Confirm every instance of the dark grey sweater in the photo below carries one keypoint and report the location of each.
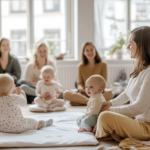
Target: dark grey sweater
(13, 68)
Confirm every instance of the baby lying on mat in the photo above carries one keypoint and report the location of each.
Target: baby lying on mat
(47, 86)
(11, 118)
(95, 86)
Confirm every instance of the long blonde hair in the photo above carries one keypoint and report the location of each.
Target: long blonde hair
(141, 36)
(38, 45)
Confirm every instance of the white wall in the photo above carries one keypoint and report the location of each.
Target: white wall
(85, 23)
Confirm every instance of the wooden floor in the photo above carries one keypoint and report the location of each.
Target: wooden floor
(26, 112)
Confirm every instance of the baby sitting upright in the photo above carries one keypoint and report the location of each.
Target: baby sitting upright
(95, 86)
(47, 86)
(11, 118)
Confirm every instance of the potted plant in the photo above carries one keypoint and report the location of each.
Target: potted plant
(117, 47)
(120, 42)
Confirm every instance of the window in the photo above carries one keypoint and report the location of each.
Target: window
(125, 14)
(17, 6)
(51, 5)
(140, 13)
(25, 22)
(14, 27)
(53, 36)
(18, 42)
(53, 25)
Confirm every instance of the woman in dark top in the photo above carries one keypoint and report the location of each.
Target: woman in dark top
(8, 63)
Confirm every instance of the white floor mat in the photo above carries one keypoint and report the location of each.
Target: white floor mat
(41, 109)
(63, 132)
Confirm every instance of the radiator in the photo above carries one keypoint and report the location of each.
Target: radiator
(67, 75)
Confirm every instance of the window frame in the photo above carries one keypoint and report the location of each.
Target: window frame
(19, 32)
(13, 11)
(30, 27)
(50, 10)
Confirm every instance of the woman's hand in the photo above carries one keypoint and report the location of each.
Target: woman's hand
(81, 90)
(106, 106)
(46, 96)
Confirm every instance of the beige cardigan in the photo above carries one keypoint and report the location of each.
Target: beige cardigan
(32, 73)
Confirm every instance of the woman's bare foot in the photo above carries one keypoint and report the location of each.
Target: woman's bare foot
(33, 102)
(77, 104)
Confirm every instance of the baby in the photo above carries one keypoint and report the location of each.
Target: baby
(95, 86)
(11, 118)
(48, 86)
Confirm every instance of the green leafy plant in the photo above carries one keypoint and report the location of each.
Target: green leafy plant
(52, 48)
(121, 40)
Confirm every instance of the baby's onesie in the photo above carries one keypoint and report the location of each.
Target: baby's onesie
(41, 89)
(11, 118)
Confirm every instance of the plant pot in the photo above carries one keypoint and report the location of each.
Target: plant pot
(119, 54)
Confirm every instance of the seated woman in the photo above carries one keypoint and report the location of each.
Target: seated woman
(33, 69)
(91, 64)
(118, 121)
(8, 63)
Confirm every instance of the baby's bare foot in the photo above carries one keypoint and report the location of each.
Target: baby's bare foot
(81, 130)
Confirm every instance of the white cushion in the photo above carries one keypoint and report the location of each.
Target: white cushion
(41, 109)
(63, 132)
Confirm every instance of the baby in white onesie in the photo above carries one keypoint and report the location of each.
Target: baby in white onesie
(11, 118)
(48, 86)
(95, 86)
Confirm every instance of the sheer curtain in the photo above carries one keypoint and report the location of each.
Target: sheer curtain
(99, 14)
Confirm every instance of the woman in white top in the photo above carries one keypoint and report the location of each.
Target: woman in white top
(33, 69)
(118, 121)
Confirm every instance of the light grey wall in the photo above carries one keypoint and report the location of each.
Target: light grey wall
(85, 23)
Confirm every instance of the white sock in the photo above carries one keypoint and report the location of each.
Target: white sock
(43, 123)
(49, 122)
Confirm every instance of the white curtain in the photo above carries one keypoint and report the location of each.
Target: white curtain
(99, 15)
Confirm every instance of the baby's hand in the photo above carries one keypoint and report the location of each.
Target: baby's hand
(46, 96)
(47, 107)
(18, 90)
(13, 90)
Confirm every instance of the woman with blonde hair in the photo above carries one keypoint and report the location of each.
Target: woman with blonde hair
(120, 121)
(8, 63)
(32, 71)
(91, 64)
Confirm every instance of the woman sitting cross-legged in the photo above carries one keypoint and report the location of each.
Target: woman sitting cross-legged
(33, 69)
(91, 64)
(118, 121)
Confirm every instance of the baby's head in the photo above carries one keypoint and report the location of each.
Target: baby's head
(47, 74)
(95, 84)
(6, 84)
